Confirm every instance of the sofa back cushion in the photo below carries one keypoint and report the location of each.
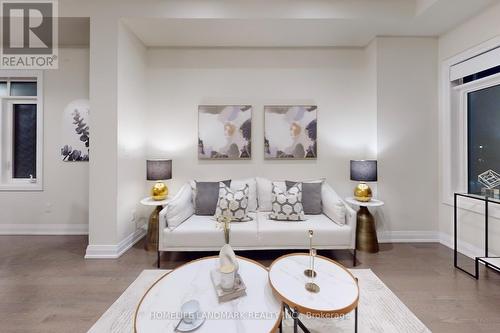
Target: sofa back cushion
(311, 196)
(265, 193)
(333, 206)
(237, 184)
(287, 206)
(206, 196)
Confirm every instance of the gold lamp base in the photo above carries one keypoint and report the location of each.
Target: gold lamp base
(159, 191)
(363, 192)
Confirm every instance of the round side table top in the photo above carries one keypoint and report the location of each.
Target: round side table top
(338, 294)
(371, 203)
(148, 201)
(257, 312)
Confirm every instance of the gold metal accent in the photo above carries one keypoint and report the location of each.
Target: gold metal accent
(310, 273)
(366, 234)
(152, 236)
(159, 191)
(312, 287)
(363, 192)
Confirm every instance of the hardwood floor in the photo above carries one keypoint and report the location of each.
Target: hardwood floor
(47, 286)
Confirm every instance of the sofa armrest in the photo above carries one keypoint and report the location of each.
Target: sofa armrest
(178, 209)
(351, 220)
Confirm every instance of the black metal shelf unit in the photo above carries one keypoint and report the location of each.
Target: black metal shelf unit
(484, 259)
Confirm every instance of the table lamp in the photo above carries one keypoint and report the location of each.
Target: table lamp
(159, 170)
(363, 171)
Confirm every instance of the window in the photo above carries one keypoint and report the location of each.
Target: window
(21, 131)
(483, 139)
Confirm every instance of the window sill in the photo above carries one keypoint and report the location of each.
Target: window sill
(21, 187)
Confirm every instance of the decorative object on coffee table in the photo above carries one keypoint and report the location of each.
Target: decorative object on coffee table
(311, 286)
(366, 232)
(151, 243)
(159, 170)
(310, 271)
(338, 296)
(192, 281)
(363, 171)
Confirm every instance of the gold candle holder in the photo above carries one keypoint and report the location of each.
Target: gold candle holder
(311, 286)
(310, 272)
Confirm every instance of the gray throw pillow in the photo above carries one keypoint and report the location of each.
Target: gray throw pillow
(311, 197)
(207, 194)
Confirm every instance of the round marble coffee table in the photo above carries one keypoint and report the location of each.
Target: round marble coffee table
(258, 311)
(338, 288)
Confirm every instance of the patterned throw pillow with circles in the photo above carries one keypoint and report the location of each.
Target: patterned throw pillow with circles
(287, 206)
(233, 204)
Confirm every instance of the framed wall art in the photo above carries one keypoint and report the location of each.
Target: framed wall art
(290, 132)
(224, 132)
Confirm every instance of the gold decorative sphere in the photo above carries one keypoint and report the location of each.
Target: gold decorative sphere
(159, 191)
(363, 192)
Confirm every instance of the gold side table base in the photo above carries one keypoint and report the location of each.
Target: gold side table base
(366, 234)
(152, 236)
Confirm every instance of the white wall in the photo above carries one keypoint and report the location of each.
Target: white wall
(132, 133)
(334, 79)
(407, 127)
(62, 206)
(476, 31)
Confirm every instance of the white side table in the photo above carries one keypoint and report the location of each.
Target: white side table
(257, 312)
(366, 233)
(153, 224)
(338, 292)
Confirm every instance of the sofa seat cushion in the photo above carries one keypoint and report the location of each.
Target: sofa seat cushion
(200, 232)
(290, 234)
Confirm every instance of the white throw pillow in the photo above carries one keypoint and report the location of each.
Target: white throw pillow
(237, 184)
(233, 204)
(333, 206)
(287, 206)
(180, 207)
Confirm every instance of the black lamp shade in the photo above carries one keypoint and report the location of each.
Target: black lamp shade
(364, 170)
(159, 169)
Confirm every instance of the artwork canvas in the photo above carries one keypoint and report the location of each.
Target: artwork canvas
(75, 131)
(224, 132)
(290, 132)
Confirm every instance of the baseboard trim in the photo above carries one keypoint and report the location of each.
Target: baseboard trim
(465, 248)
(44, 229)
(114, 251)
(409, 237)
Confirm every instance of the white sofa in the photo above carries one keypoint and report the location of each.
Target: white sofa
(200, 233)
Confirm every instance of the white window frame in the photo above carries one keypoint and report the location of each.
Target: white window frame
(7, 182)
(463, 146)
(453, 127)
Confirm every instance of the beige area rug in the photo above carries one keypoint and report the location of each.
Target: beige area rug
(379, 310)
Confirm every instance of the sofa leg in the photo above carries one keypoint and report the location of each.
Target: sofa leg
(354, 257)
(158, 259)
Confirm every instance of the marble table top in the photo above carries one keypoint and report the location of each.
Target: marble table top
(149, 201)
(371, 203)
(339, 292)
(258, 311)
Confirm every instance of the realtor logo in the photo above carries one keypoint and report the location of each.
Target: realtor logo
(29, 34)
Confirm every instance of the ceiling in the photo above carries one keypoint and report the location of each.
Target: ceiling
(300, 23)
